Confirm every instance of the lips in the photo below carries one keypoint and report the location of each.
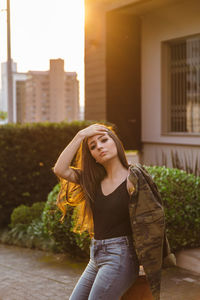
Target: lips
(102, 153)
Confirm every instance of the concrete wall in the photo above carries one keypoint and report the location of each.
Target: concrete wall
(161, 21)
(173, 21)
(165, 154)
(95, 54)
(95, 63)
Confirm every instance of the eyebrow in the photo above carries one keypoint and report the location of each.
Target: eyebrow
(97, 138)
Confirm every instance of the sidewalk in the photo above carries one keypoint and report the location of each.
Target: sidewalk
(27, 274)
(189, 259)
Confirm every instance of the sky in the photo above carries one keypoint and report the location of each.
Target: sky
(42, 30)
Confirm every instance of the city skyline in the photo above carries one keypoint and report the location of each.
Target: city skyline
(40, 96)
(44, 30)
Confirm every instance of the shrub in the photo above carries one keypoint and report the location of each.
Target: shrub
(31, 236)
(181, 199)
(26, 162)
(21, 215)
(65, 239)
(180, 193)
(37, 209)
(27, 229)
(25, 215)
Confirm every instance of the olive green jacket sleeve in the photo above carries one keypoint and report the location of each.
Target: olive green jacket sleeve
(148, 227)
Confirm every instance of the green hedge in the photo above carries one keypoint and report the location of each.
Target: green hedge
(27, 154)
(65, 239)
(181, 199)
(25, 215)
(27, 229)
(39, 227)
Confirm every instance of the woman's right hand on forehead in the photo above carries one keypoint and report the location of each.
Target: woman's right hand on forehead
(92, 130)
(62, 167)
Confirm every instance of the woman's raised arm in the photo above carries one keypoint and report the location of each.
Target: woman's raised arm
(62, 166)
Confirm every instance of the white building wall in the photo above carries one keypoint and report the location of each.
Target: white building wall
(161, 20)
(173, 21)
(4, 91)
(169, 155)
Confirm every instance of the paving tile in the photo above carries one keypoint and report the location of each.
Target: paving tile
(27, 274)
(24, 277)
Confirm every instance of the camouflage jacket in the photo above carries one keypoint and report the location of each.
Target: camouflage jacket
(148, 226)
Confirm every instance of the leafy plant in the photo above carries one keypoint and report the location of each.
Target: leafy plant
(25, 215)
(26, 162)
(180, 193)
(21, 215)
(65, 239)
(181, 198)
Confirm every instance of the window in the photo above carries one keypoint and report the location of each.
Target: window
(181, 85)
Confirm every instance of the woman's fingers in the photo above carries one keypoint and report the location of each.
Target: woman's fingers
(93, 130)
(99, 129)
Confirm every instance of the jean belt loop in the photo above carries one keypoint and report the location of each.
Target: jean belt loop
(127, 241)
(101, 245)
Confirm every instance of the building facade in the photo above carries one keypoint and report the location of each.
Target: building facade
(41, 96)
(52, 95)
(142, 73)
(19, 80)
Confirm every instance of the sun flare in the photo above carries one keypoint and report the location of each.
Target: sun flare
(41, 30)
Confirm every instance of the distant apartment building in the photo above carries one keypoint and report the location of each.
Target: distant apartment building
(19, 80)
(52, 95)
(41, 96)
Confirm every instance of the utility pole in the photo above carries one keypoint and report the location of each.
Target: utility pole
(9, 69)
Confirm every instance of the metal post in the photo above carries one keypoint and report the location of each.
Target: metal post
(9, 68)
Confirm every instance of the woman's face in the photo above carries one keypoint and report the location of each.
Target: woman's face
(102, 147)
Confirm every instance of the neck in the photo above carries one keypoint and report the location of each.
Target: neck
(115, 169)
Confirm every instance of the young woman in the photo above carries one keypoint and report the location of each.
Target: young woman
(102, 184)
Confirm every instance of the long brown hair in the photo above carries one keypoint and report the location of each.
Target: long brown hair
(89, 175)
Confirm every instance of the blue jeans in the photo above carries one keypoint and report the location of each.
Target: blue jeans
(112, 269)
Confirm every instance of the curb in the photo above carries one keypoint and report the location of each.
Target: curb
(189, 260)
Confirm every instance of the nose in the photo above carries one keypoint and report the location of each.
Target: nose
(99, 145)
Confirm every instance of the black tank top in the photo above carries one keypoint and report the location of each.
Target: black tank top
(111, 214)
